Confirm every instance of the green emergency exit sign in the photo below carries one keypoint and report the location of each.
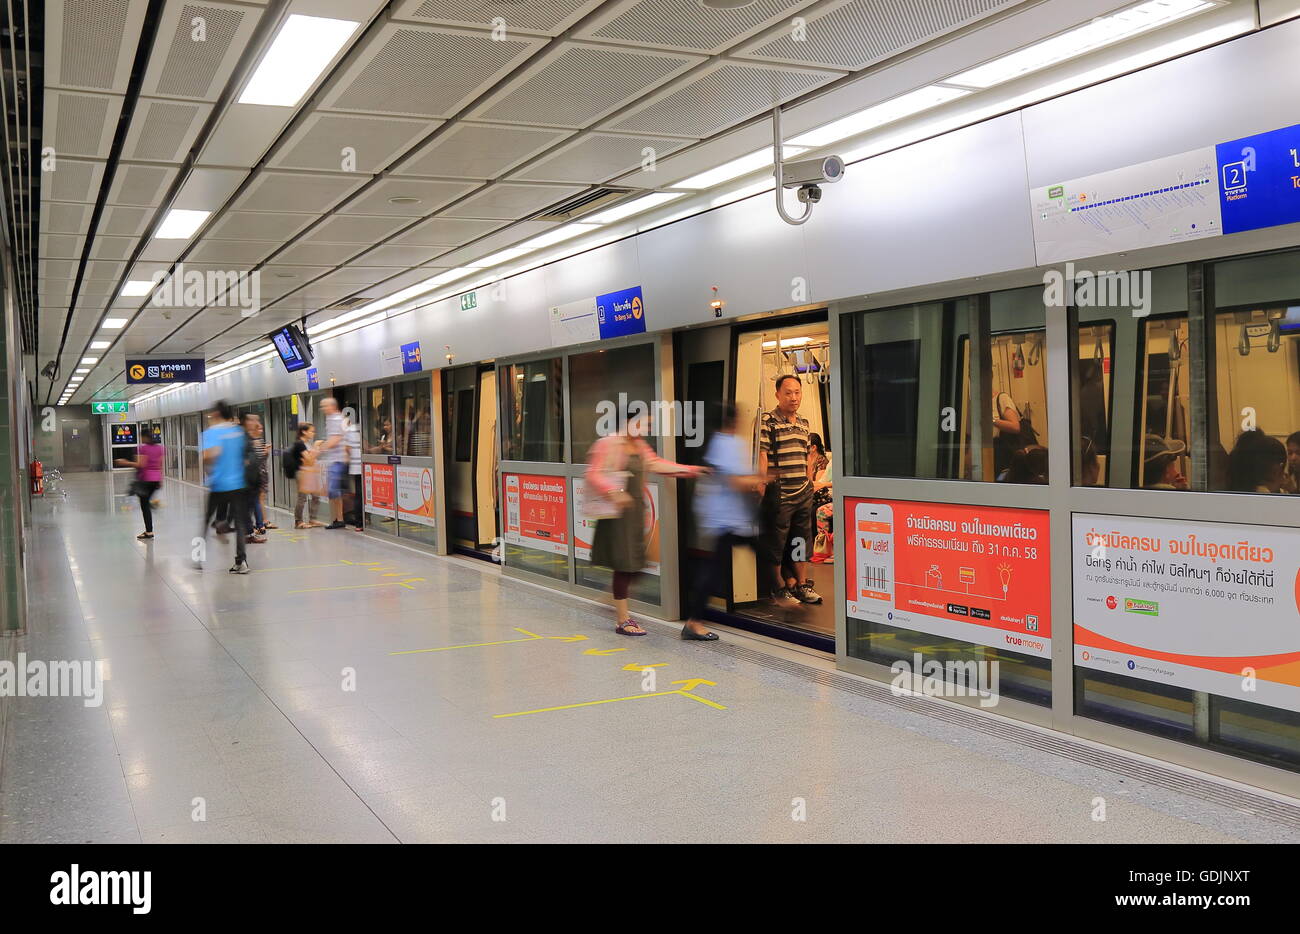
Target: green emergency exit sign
(469, 300)
(110, 408)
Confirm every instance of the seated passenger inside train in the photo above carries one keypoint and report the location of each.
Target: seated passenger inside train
(1257, 464)
(1160, 470)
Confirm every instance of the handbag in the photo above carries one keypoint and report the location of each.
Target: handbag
(596, 506)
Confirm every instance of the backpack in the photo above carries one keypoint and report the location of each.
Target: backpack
(289, 461)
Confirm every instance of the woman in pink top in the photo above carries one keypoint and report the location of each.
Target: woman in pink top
(148, 476)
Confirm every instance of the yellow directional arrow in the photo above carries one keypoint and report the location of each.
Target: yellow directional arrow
(693, 683)
(602, 651)
(568, 638)
(608, 700)
(528, 637)
(635, 667)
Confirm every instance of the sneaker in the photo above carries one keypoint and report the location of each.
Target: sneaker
(784, 599)
(271, 525)
(145, 536)
(255, 539)
(241, 567)
(336, 524)
(805, 594)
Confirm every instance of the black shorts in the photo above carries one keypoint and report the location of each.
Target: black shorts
(785, 519)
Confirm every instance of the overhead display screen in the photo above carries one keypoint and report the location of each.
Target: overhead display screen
(291, 345)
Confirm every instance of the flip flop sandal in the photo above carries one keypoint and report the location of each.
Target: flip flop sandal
(626, 629)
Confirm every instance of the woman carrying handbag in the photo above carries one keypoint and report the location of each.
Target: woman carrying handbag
(615, 481)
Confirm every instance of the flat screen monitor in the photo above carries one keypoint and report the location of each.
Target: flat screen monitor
(124, 435)
(291, 345)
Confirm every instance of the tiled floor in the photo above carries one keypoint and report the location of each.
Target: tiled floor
(231, 699)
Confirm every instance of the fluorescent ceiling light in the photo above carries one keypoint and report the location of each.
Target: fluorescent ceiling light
(112, 324)
(89, 361)
(1103, 31)
(559, 235)
(84, 370)
(503, 256)
(736, 168)
(180, 224)
(298, 55)
(619, 212)
(100, 345)
(137, 287)
(895, 108)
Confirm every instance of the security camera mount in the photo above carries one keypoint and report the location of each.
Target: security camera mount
(806, 176)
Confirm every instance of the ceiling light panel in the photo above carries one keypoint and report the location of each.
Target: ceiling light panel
(425, 71)
(299, 53)
(863, 32)
(687, 24)
(549, 17)
(346, 142)
(574, 85)
(181, 224)
(595, 158)
(476, 150)
(718, 98)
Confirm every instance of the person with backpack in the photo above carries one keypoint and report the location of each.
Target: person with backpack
(255, 475)
(224, 445)
(300, 465)
(148, 477)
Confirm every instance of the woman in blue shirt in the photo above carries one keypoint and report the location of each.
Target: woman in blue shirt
(726, 502)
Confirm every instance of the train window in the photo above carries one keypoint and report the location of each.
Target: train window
(1017, 361)
(1255, 440)
(909, 405)
(532, 420)
(1163, 460)
(1092, 412)
(378, 427)
(411, 401)
(601, 384)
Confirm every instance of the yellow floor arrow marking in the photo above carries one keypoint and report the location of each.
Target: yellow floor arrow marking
(610, 700)
(531, 637)
(300, 567)
(602, 651)
(636, 667)
(693, 683)
(569, 638)
(353, 587)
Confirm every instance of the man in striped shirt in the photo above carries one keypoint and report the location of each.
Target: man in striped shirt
(785, 458)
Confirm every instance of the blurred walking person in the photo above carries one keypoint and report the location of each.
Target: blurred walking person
(334, 455)
(148, 477)
(353, 437)
(256, 475)
(224, 444)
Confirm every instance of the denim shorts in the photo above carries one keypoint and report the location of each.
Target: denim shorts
(338, 479)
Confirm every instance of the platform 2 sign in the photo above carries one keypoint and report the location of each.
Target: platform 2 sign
(1259, 180)
(165, 370)
(537, 512)
(980, 574)
(1204, 606)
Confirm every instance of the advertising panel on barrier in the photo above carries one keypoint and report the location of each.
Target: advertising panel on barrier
(537, 512)
(378, 484)
(584, 528)
(1206, 606)
(415, 494)
(980, 574)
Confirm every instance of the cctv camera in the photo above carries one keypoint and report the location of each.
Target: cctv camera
(811, 172)
(49, 369)
(809, 194)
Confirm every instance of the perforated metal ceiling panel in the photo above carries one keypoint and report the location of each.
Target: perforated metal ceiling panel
(63, 218)
(162, 131)
(356, 228)
(471, 150)
(574, 85)
(246, 253)
(319, 254)
(857, 33)
(295, 192)
(600, 156)
(124, 221)
(400, 255)
(197, 48)
(246, 225)
(447, 232)
(333, 142)
(721, 97)
(112, 247)
(79, 124)
(511, 201)
(686, 24)
(550, 17)
(140, 184)
(73, 180)
(425, 71)
(90, 44)
(430, 195)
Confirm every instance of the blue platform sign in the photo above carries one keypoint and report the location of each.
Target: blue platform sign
(1259, 180)
(411, 362)
(165, 370)
(620, 313)
(313, 378)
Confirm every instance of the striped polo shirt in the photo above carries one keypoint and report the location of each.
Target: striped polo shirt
(786, 444)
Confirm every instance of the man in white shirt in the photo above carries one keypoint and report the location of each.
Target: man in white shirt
(334, 456)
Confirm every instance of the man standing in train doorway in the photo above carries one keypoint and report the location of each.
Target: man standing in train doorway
(788, 497)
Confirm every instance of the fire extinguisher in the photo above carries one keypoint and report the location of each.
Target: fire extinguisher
(38, 479)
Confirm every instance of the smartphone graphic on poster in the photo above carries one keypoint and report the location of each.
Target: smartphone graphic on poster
(873, 530)
(512, 504)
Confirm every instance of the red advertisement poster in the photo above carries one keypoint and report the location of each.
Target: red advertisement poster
(980, 574)
(536, 513)
(378, 483)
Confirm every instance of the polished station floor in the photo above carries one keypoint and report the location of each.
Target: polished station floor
(352, 690)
